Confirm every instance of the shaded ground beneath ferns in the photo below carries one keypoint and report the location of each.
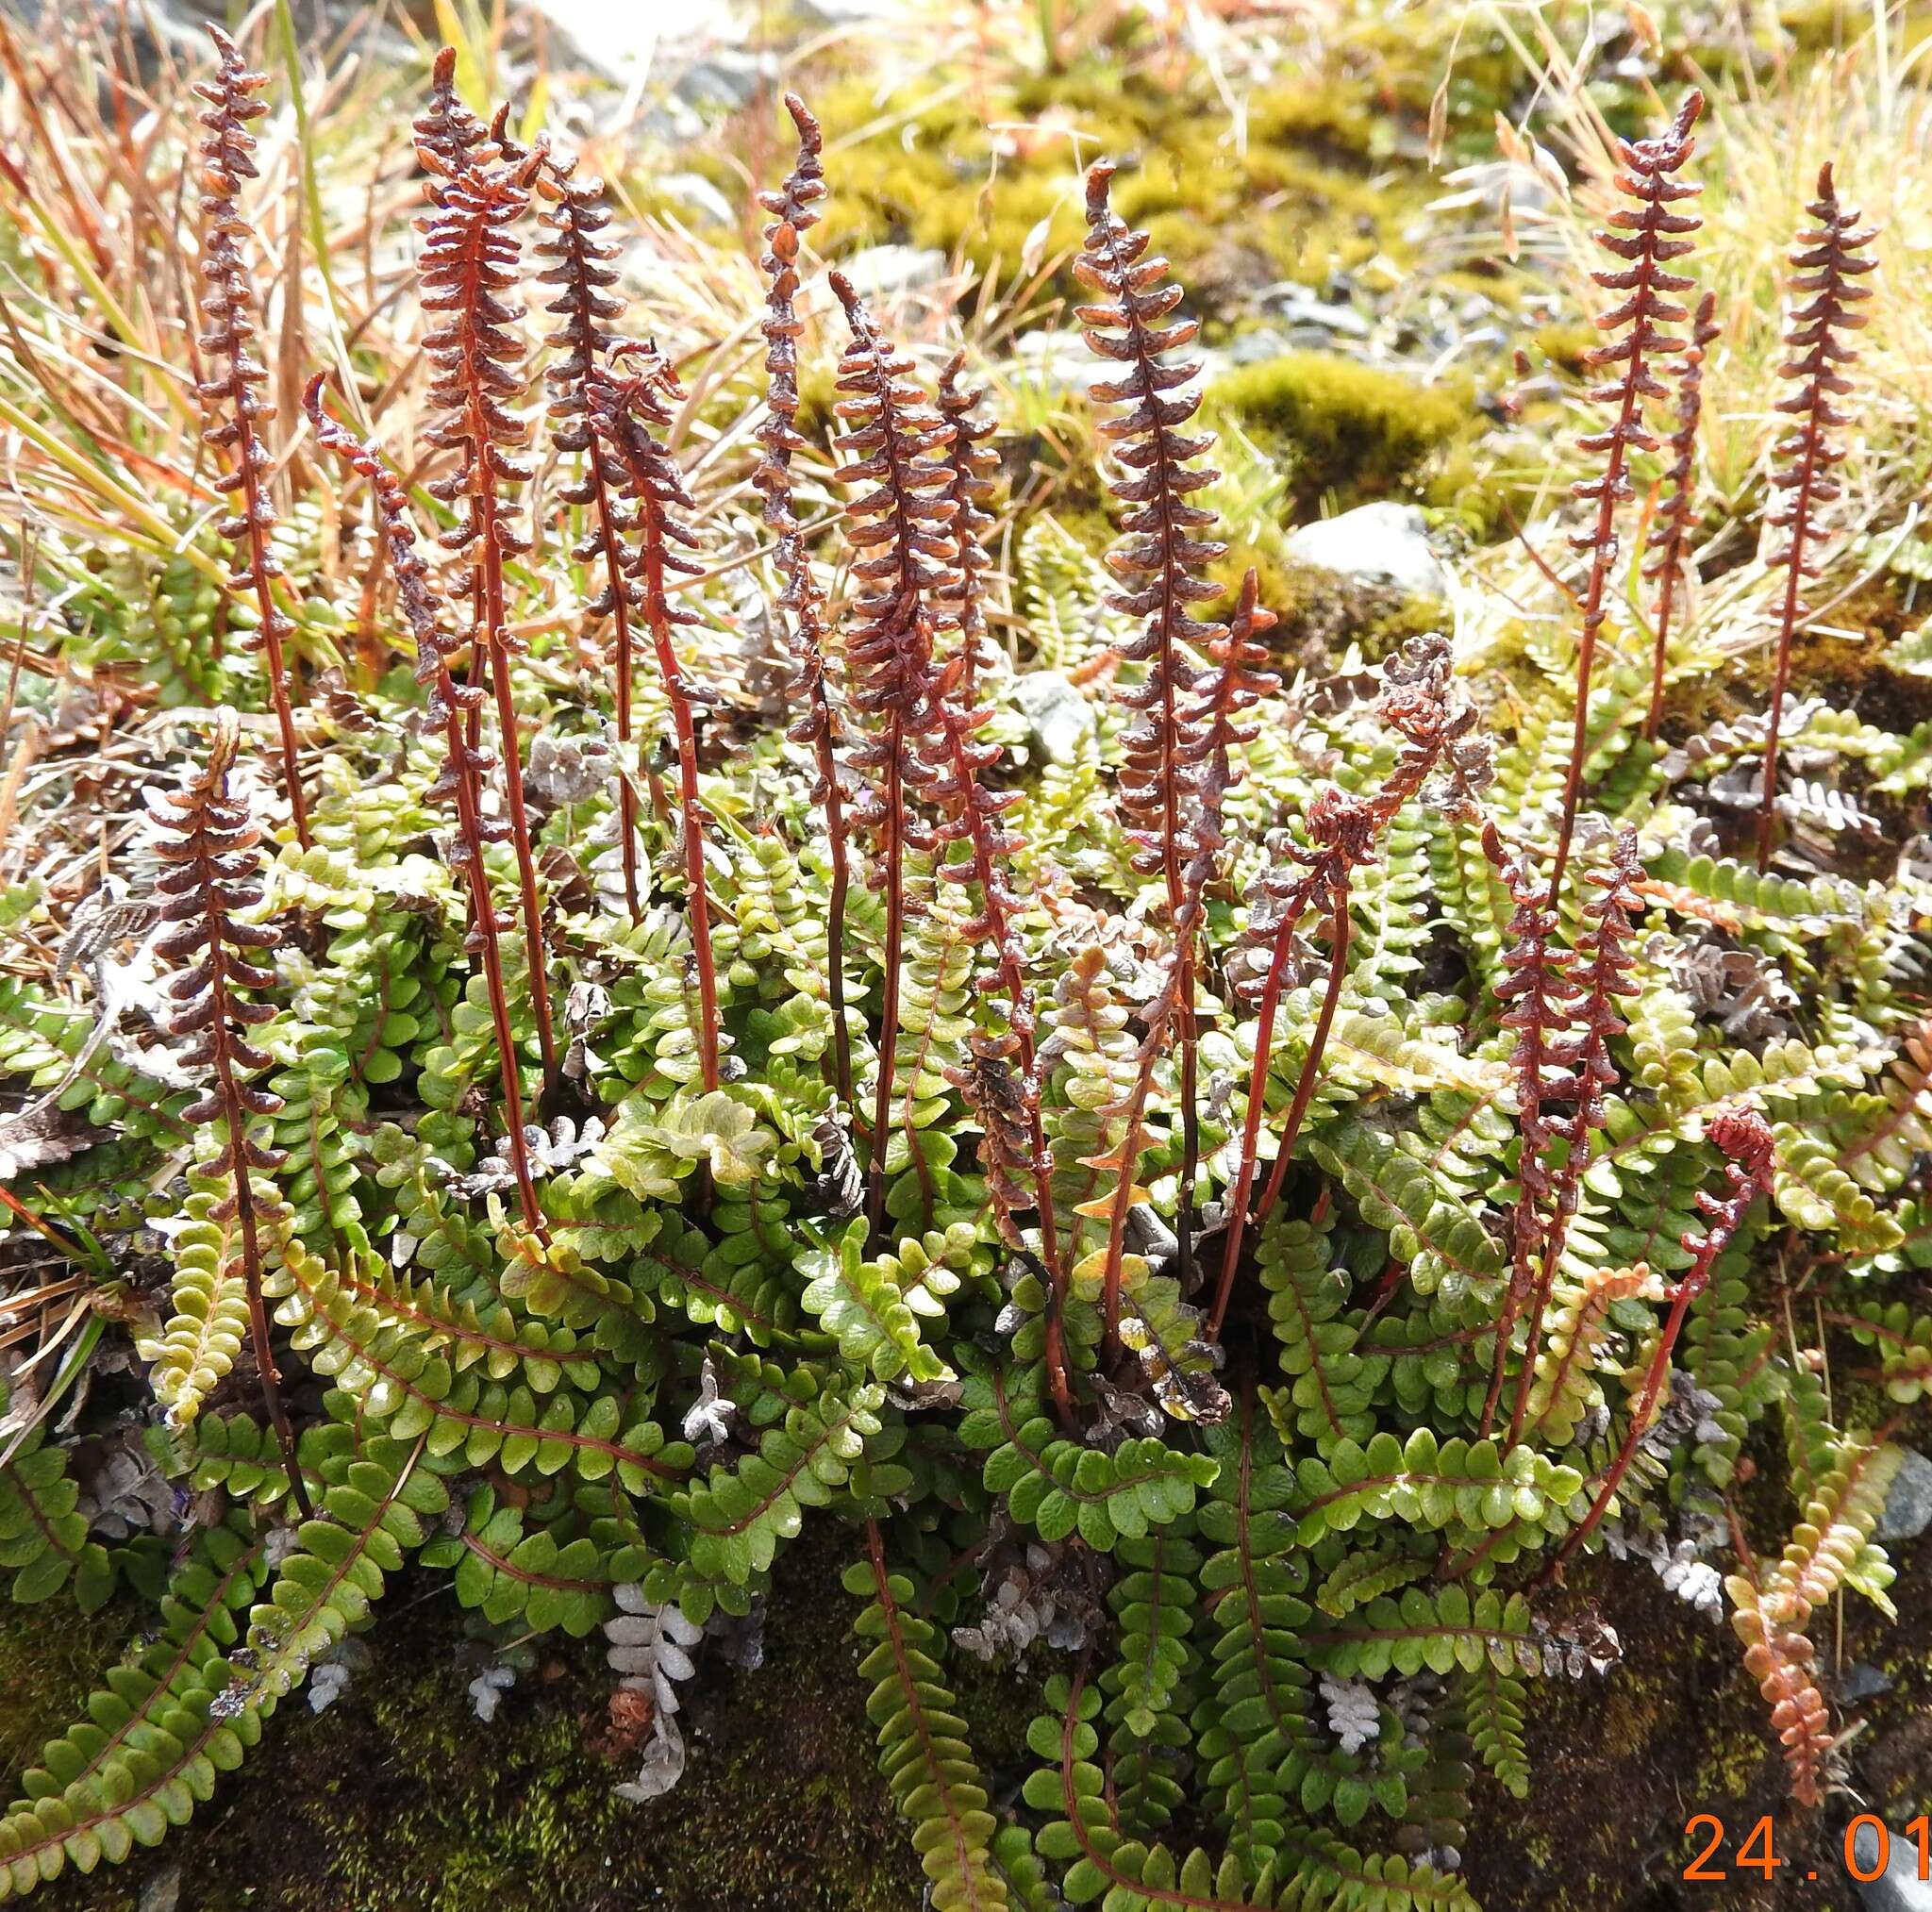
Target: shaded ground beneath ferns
(398, 1799)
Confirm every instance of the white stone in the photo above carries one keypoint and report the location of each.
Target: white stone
(1379, 543)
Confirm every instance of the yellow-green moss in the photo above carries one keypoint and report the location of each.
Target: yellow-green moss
(1343, 430)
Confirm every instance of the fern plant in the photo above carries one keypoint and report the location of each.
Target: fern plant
(929, 1210)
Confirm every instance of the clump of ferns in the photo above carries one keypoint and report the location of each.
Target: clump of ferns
(943, 1355)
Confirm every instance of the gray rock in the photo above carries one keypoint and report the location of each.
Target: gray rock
(1908, 1505)
(882, 269)
(1059, 719)
(1305, 313)
(691, 193)
(1379, 543)
(1862, 1681)
(725, 78)
(1899, 1887)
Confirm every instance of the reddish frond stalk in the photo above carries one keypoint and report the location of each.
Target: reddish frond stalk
(470, 263)
(1744, 1138)
(646, 494)
(1670, 536)
(800, 601)
(231, 394)
(210, 854)
(1825, 265)
(1436, 727)
(1647, 236)
(1122, 1159)
(1163, 556)
(973, 466)
(466, 765)
(1600, 969)
(1541, 1003)
(1002, 1081)
(581, 275)
(904, 562)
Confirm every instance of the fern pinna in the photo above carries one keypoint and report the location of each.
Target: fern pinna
(1235, 1218)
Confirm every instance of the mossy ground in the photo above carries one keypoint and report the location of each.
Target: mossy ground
(398, 1799)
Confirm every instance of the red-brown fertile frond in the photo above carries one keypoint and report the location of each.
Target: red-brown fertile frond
(1670, 536)
(647, 498)
(209, 851)
(1436, 724)
(581, 273)
(231, 394)
(1647, 237)
(1162, 557)
(465, 765)
(1595, 980)
(468, 270)
(971, 465)
(1828, 263)
(1743, 1138)
(1162, 553)
(815, 726)
(905, 563)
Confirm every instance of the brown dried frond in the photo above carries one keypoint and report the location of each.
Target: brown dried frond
(1783, 1661)
(1647, 236)
(231, 394)
(211, 854)
(1827, 264)
(470, 264)
(647, 499)
(1670, 536)
(973, 467)
(466, 764)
